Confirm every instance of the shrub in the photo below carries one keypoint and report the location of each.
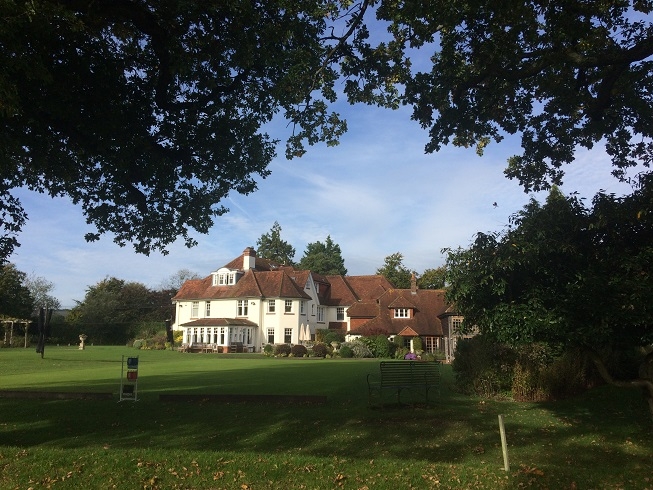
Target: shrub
(298, 350)
(346, 351)
(138, 344)
(428, 356)
(333, 336)
(400, 352)
(417, 343)
(178, 336)
(534, 372)
(268, 349)
(320, 350)
(282, 350)
(483, 367)
(381, 347)
(359, 349)
(320, 334)
(398, 340)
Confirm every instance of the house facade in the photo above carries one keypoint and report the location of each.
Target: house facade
(251, 302)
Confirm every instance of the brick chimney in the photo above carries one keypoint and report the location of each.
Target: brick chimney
(249, 258)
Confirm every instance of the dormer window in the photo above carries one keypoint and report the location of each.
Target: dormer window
(225, 278)
(402, 313)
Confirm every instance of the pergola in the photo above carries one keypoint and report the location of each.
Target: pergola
(8, 324)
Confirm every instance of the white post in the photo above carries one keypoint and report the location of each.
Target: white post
(504, 444)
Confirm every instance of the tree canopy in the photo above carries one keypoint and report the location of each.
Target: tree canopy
(565, 275)
(16, 300)
(394, 270)
(40, 289)
(147, 114)
(432, 278)
(113, 310)
(270, 246)
(323, 258)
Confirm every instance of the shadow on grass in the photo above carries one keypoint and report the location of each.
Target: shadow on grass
(603, 427)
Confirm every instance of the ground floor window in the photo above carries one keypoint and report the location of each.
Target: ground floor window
(270, 335)
(287, 335)
(431, 344)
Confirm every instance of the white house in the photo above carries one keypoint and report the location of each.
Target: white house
(250, 302)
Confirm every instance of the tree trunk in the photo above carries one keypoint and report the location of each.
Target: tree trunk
(642, 382)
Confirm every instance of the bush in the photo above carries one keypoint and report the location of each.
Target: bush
(534, 372)
(298, 350)
(482, 367)
(381, 347)
(333, 336)
(282, 350)
(398, 340)
(138, 344)
(320, 350)
(428, 356)
(320, 334)
(268, 349)
(358, 348)
(178, 336)
(346, 352)
(417, 343)
(400, 352)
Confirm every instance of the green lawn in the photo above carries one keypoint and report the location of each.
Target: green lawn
(601, 440)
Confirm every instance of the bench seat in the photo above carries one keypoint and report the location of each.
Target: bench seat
(397, 377)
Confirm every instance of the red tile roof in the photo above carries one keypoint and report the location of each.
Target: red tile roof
(428, 305)
(268, 280)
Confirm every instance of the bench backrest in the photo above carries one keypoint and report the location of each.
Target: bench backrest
(409, 372)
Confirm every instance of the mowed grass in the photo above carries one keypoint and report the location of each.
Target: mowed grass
(600, 440)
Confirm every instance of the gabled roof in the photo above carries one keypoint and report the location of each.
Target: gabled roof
(253, 284)
(270, 280)
(260, 264)
(428, 305)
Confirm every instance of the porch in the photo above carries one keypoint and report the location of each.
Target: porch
(219, 335)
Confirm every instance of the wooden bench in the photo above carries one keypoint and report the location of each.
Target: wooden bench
(418, 377)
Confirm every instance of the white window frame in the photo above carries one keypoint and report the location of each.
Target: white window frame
(242, 308)
(287, 335)
(272, 306)
(340, 313)
(302, 307)
(287, 306)
(194, 309)
(207, 310)
(402, 313)
(320, 314)
(270, 334)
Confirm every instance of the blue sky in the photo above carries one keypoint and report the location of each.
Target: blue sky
(376, 193)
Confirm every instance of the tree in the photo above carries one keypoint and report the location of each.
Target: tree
(40, 289)
(270, 246)
(176, 280)
(566, 275)
(323, 258)
(394, 271)
(148, 114)
(16, 300)
(432, 278)
(113, 310)
(497, 69)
